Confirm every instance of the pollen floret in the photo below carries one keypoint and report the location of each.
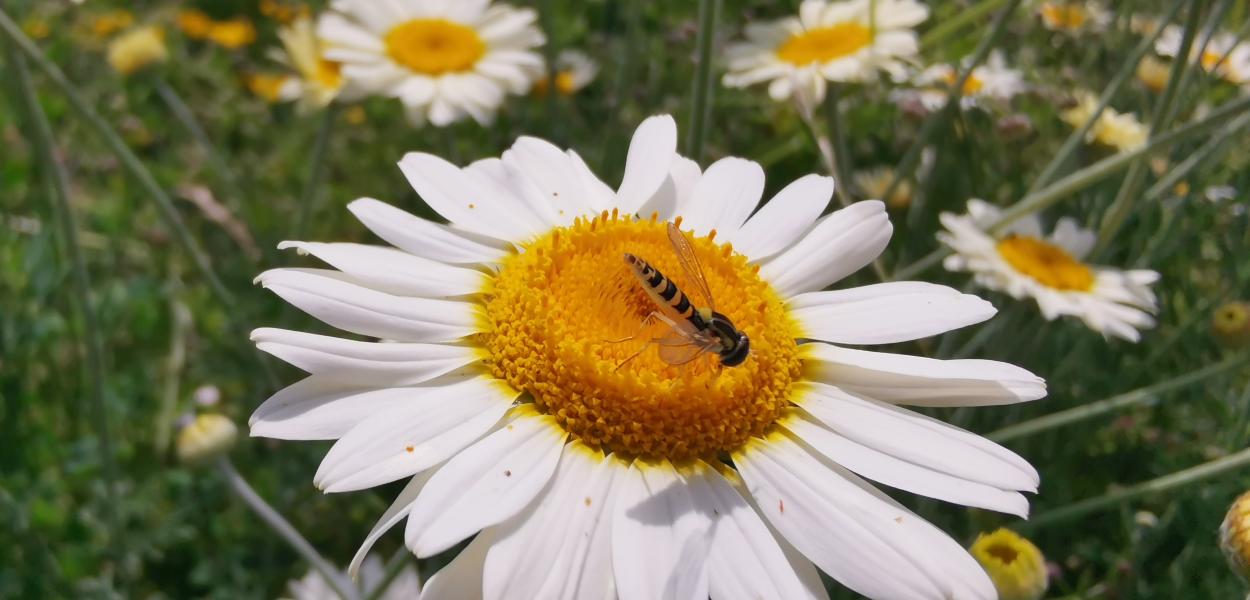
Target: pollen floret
(557, 311)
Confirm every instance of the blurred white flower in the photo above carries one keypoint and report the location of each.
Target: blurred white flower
(443, 60)
(993, 81)
(517, 423)
(318, 80)
(574, 71)
(405, 586)
(827, 41)
(1023, 262)
(1223, 54)
(1121, 131)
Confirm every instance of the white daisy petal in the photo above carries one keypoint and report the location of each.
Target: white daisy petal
(744, 560)
(784, 219)
(659, 537)
(898, 473)
(553, 173)
(413, 436)
(331, 298)
(461, 579)
(566, 530)
(920, 381)
(394, 271)
(851, 533)
(916, 438)
(397, 512)
(886, 313)
(363, 362)
(839, 244)
(421, 237)
(676, 192)
(459, 198)
(724, 197)
(486, 483)
(324, 408)
(598, 194)
(651, 155)
(500, 179)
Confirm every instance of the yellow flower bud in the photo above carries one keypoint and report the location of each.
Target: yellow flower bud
(207, 437)
(232, 34)
(194, 23)
(1235, 536)
(1231, 324)
(1013, 563)
(136, 49)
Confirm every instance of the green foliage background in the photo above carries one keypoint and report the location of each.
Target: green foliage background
(182, 534)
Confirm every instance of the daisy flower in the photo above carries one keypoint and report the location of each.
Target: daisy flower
(1235, 69)
(574, 71)
(1153, 73)
(137, 49)
(1122, 131)
(993, 81)
(443, 60)
(875, 182)
(1017, 567)
(509, 403)
(318, 81)
(1023, 262)
(1073, 15)
(827, 41)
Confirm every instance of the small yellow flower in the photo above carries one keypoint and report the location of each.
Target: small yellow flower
(36, 28)
(268, 86)
(207, 437)
(1231, 324)
(574, 71)
(1014, 564)
(1069, 15)
(355, 115)
(110, 23)
(874, 183)
(1235, 536)
(194, 24)
(1153, 73)
(232, 34)
(282, 12)
(136, 49)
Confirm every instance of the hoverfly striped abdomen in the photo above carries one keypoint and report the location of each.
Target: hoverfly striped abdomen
(665, 293)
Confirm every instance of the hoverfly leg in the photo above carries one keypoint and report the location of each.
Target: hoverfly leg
(647, 321)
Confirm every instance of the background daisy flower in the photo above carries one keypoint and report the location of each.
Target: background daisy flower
(502, 401)
(1120, 131)
(574, 71)
(993, 81)
(318, 80)
(1235, 68)
(137, 49)
(852, 40)
(444, 61)
(1073, 16)
(1023, 262)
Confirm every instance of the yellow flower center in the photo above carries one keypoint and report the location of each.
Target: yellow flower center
(1064, 16)
(1047, 263)
(232, 34)
(1013, 563)
(266, 86)
(434, 46)
(1210, 59)
(972, 85)
(554, 312)
(825, 44)
(329, 73)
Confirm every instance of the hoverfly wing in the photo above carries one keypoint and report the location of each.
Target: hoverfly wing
(681, 351)
(690, 263)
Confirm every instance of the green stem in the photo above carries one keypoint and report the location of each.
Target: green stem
(948, 27)
(57, 179)
(700, 105)
(1126, 198)
(841, 153)
(1114, 403)
(1183, 478)
(1068, 186)
(316, 172)
(183, 113)
(1077, 137)
(164, 204)
(938, 119)
(342, 586)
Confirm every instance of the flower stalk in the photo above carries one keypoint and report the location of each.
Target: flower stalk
(700, 105)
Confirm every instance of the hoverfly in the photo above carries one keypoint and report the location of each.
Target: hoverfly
(695, 330)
